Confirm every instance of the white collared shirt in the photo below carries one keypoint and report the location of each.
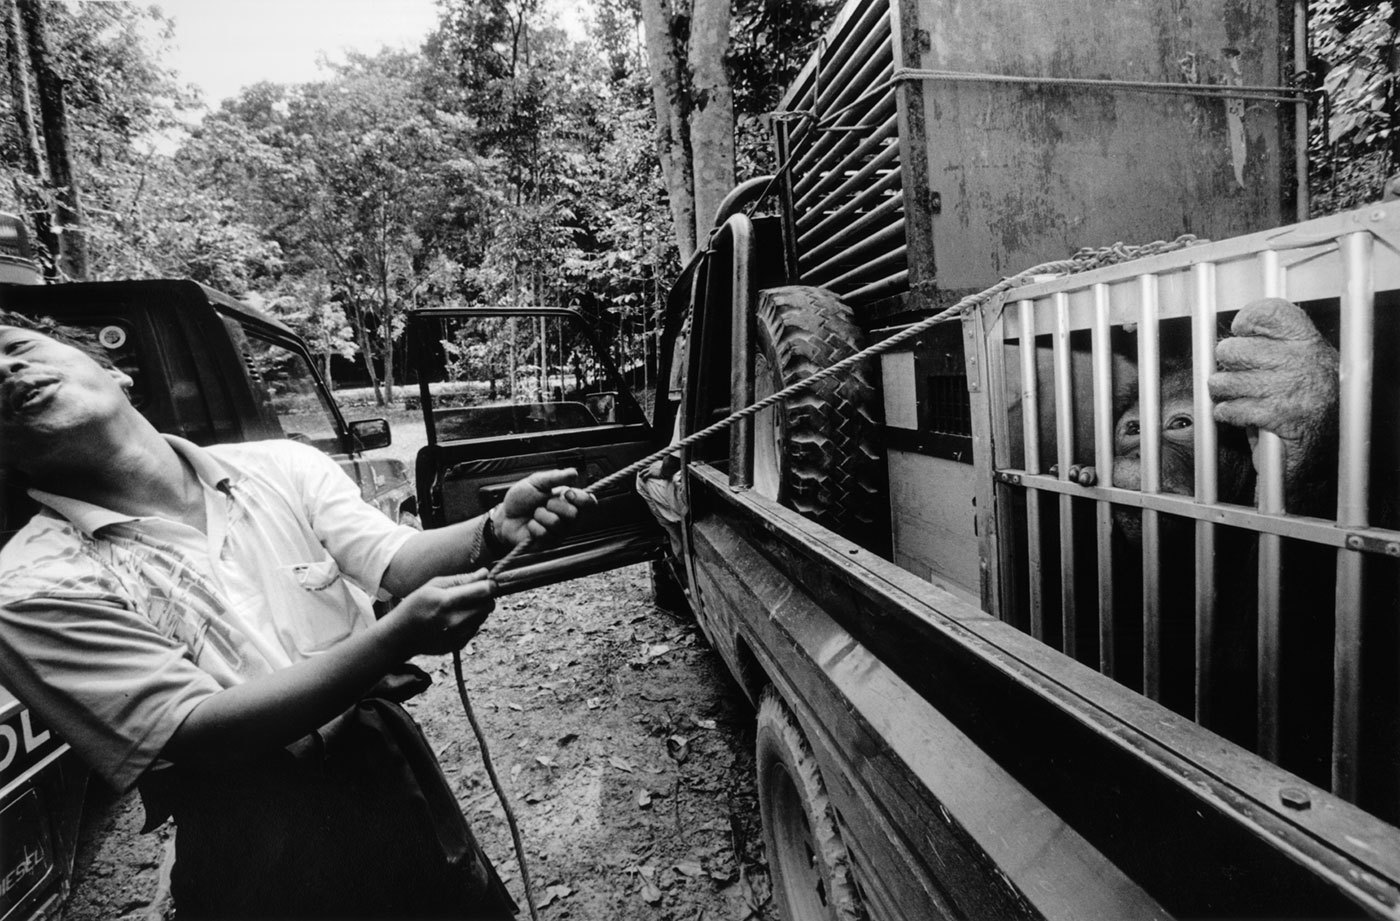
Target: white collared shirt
(114, 627)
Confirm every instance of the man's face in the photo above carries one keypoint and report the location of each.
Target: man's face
(49, 389)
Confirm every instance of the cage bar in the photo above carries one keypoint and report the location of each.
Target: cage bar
(1064, 447)
(1353, 495)
(861, 245)
(1102, 358)
(1150, 472)
(885, 210)
(1203, 336)
(847, 73)
(880, 266)
(1268, 457)
(874, 19)
(1030, 425)
(840, 166)
(812, 224)
(826, 165)
(890, 284)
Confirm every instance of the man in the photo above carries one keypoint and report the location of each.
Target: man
(199, 620)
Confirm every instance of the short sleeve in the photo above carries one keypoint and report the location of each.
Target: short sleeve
(113, 688)
(361, 538)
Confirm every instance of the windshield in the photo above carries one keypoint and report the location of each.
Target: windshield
(288, 390)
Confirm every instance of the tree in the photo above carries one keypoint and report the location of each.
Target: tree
(67, 224)
(1355, 46)
(307, 306)
(703, 77)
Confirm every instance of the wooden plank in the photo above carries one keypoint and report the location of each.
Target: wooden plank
(935, 520)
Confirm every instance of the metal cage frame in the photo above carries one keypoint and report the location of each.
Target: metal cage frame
(1347, 258)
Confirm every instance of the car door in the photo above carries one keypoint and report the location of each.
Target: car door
(509, 392)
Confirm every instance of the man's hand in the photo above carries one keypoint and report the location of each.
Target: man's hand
(541, 508)
(444, 614)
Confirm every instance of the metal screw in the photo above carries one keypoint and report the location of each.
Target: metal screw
(1294, 798)
(1353, 543)
(1016, 479)
(1392, 549)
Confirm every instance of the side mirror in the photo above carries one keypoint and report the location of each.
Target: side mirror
(368, 434)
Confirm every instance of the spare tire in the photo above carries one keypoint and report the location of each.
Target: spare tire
(819, 452)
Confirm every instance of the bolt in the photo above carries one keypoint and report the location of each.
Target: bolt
(1392, 549)
(1353, 543)
(1294, 798)
(1016, 479)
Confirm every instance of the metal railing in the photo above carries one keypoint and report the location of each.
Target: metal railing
(841, 142)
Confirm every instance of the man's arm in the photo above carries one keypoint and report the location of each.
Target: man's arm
(276, 709)
(540, 507)
(439, 613)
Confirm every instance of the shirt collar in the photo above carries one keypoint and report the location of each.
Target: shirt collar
(89, 518)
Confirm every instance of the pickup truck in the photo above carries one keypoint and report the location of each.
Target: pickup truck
(978, 692)
(206, 368)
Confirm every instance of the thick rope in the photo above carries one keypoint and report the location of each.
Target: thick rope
(1082, 261)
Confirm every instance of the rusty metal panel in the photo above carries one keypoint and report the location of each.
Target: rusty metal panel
(1031, 172)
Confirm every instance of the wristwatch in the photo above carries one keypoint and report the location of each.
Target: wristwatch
(494, 543)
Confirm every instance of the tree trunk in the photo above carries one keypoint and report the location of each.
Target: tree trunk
(366, 351)
(671, 99)
(388, 355)
(513, 397)
(68, 211)
(30, 200)
(712, 115)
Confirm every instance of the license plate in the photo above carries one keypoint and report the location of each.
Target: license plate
(26, 853)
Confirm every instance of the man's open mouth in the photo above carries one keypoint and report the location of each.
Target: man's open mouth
(28, 396)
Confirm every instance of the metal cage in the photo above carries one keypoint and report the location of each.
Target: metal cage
(1058, 562)
(838, 133)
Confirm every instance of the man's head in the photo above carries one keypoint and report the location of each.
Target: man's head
(55, 388)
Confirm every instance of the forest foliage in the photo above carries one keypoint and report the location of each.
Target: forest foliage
(502, 163)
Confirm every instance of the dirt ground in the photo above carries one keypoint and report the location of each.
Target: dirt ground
(625, 749)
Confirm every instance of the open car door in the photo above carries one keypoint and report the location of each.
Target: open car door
(509, 392)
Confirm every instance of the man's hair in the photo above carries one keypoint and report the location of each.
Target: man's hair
(84, 340)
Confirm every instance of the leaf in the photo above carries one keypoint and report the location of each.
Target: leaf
(643, 799)
(702, 722)
(516, 707)
(620, 763)
(689, 869)
(678, 747)
(545, 760)
(593, 703)
(553, 894)
(650, 893)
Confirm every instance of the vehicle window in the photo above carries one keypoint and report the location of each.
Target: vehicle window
(490, 377)
(290, 389)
